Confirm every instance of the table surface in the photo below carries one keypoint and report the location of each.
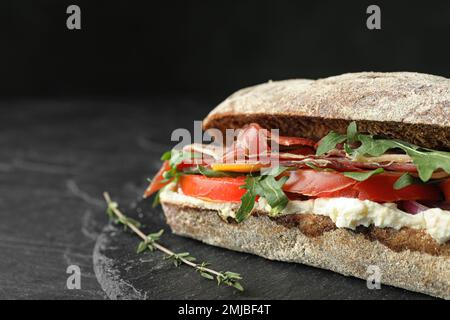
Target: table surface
(56, 159)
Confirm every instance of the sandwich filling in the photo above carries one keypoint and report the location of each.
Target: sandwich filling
(355, 179)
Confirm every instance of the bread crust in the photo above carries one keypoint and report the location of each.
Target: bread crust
(410, 106)
(339, 250)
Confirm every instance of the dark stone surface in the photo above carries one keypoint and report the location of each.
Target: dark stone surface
(56, 159)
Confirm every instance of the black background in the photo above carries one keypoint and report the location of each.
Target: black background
(210, 48)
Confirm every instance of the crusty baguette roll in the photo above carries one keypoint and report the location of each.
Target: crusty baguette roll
(408, 106)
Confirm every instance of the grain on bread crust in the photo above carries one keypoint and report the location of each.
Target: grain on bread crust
(410, 106)
(338, 250)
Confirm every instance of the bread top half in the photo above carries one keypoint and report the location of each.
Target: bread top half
(413, 107)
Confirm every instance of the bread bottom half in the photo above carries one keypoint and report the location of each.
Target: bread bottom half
(340, 250)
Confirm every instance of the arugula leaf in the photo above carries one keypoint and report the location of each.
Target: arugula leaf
(348, 150)
(267, 187)
(329, 142)
(247, 204)
(352, 132)
(405, 180)
(362, 176)
(247, 200)
(176, 157)
(427, 161)
(270, 189)
(374, 147)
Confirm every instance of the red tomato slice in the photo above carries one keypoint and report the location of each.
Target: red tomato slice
(381, 188)
(213, 189)
(157, 183)
(445, 187)
(318, 183)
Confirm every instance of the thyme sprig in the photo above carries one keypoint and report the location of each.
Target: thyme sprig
(150, 242)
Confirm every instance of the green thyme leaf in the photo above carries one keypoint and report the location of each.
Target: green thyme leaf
(238, 286)
(148, 243)
(155, 236)
(329, 142)
(230, 279)
(177, 258)
(206, 275)
(362, 176)
(142, 247)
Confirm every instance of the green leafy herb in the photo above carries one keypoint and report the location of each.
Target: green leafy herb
(202, 270)
(177, 258)
(271, 190)
(347, 149)
(247, 200)
(329, 142)
(427, 161)
(405, 180)
(267, 187)
(150, 242)
(230, 279)
(362, 176)
(352, 132)
(166, 156)
(176, 157)
(125, 221)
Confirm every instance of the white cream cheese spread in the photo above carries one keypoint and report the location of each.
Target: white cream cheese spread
(344, 212)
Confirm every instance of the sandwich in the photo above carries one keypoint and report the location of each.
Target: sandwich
(342, 173)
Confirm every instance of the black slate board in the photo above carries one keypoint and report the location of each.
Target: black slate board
(123, 274)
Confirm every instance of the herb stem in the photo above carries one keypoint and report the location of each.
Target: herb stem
(199, 267)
